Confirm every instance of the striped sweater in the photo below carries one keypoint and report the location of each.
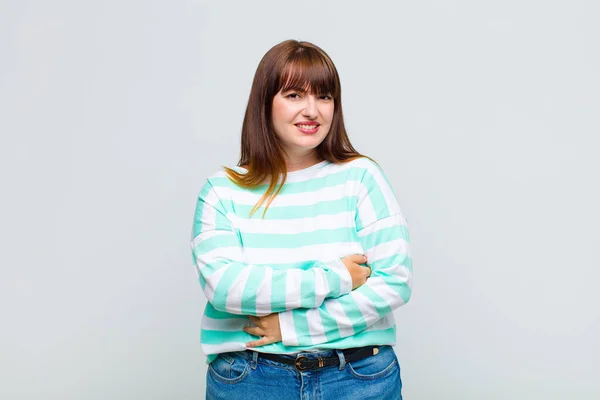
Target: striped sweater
(290, 261)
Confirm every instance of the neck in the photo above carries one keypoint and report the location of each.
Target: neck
(301, 162)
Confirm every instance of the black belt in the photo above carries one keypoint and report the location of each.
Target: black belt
(303, 363)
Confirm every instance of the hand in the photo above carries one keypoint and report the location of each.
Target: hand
(358, 273)
(267, 327)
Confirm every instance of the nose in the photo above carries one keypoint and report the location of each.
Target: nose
(310, 109)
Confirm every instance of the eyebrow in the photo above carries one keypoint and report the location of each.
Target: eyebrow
(296, 89)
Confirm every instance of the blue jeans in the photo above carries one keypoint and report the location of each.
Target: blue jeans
(243, 375)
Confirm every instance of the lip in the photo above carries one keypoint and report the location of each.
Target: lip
(307, 123)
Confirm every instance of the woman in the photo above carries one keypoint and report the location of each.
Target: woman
(302, 249)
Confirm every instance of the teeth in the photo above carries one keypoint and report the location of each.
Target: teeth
(307, 126)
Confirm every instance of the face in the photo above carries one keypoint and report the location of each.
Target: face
(302, 120)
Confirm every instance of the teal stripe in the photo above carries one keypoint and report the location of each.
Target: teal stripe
(357, 340)
(380, 266)
(373, 337)
(295, 240)
(329, 325)
(389, 184)
(301, 327)
(216, 337)
(358, 222)
(221, 222)
(227, 279)
(250, 290)
(384, 235)
(330, 207)
(303, 265)
(278, 288)
(209, 269)
(364, 338)
(408, 264)
(377, 198)
(215, 242)
(378, 302)
(405, 292)
(197, 225)
(353, 312)
(211, 312)
(211, 357)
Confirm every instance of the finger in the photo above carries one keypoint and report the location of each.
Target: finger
(369, 272)
(254, 330)
(359, 259)
(261, 342)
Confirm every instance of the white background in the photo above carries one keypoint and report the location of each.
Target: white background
(484, 115)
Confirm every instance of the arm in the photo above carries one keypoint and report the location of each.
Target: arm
(383, 233)
(234, 286)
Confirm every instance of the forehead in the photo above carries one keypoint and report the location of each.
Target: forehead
(307, 77)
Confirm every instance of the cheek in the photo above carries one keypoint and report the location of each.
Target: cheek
(327, 112)
(281, 113)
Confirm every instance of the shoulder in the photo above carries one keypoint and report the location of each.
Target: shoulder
(367, 168)
(218, 183)
(220, 177)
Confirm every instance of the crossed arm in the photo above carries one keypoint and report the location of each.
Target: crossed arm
(326, 309)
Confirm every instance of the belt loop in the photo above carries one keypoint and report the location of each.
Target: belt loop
(342, 359)
(254, 359)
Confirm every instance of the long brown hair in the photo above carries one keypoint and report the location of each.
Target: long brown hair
(296, 65)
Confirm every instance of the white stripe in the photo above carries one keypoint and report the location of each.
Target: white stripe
(337, 313)
(227, 324)
(291, 226)
(366, 211)
(388, 194)
(366, 307)
(222, 347)
(388, 249)
(209, 213)
(388, 222)
(326, 251)
(315, 326)
(387, 293)
(211, 283)
(233, 302)
(288, 331)
(207, 235)
(293, 280)
(396, 270)
(388, 321)
(263, 294)
(328, 193)
(222, 253)
(321, 286)
(326, 170)
(338, 266)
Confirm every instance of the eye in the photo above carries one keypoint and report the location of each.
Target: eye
(291, 95)
(326, 97)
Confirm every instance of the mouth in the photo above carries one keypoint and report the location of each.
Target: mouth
(308, 128)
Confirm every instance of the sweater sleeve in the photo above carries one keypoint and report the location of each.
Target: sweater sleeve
(383, 233)
(237, 287)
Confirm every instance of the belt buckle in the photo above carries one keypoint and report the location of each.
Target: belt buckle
(297, 364)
